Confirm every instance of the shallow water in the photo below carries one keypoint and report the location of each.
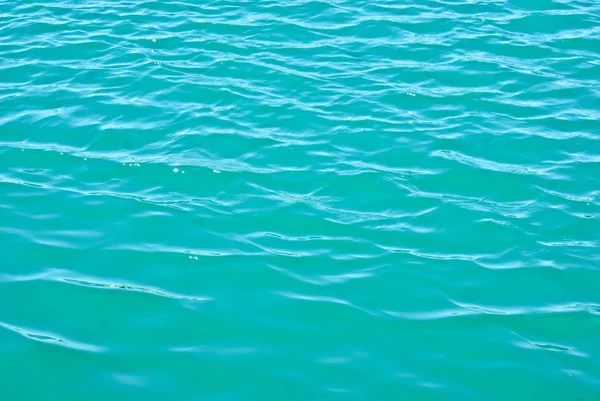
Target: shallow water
(300, 200)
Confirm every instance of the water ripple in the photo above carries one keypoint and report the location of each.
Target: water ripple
(299, 199)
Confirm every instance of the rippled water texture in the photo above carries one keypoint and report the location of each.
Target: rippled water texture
(300, 200)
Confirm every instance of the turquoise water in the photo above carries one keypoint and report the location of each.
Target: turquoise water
(300, 200)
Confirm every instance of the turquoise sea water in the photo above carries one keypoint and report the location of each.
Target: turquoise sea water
(300, 200)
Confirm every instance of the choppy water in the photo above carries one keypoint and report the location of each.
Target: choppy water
(300, 200)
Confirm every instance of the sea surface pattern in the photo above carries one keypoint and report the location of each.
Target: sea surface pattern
(300, 200)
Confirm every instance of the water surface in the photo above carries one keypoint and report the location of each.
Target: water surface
(300, 200)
